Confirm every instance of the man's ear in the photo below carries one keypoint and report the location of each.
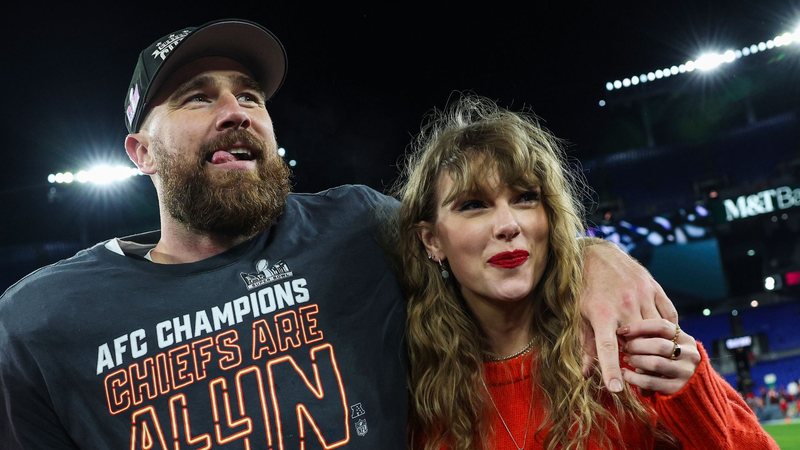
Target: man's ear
(137, 147)
(427, 235)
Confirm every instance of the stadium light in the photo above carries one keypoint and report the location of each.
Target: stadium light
(709, 61)
(105, 174)
(102, 174)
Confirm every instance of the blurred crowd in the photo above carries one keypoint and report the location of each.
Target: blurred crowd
(775, 403)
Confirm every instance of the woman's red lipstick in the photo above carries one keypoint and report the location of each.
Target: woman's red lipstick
(509, 260)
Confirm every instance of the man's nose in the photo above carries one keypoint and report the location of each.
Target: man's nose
(231, 114)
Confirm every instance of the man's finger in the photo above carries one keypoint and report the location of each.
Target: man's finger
(665, 307)
(589, 356)
(649, 310)
(608, 355)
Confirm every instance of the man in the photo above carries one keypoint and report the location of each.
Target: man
(254, 318)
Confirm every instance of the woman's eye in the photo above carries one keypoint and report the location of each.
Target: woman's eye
(529, 196)
(470, 205)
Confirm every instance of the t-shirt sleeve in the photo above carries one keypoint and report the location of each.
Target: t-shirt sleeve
(378, 204)
(27, 417)
(707, 413)
(376, 212)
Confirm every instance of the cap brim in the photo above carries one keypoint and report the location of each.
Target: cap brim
(248, 43)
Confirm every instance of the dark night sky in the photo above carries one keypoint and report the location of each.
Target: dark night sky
(360, 78)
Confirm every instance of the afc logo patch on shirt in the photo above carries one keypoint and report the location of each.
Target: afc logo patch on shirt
(357, 410)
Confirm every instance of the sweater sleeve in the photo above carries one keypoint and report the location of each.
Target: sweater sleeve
(707, 413)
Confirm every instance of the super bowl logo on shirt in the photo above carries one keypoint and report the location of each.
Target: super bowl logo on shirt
(265, 274)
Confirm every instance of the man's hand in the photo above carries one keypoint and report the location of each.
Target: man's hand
(616, 290)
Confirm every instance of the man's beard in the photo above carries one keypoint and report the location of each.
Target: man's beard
(229, 203)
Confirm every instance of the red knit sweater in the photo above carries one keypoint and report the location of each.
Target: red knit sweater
(707, 413)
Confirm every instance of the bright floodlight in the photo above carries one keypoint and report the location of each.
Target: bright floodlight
(713, 60)
(708, 61)
(784, 39)
(101, 174)
(729, 56)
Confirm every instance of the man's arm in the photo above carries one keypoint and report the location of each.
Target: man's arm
(616, 290)
(27, 417)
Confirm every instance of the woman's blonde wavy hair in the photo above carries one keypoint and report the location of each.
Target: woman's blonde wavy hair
(472, 140)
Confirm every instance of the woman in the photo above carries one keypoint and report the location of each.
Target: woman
(489, 227)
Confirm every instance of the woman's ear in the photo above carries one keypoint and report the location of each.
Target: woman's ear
(427, 235)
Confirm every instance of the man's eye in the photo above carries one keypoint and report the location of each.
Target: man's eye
(197, 98)
(248, 97)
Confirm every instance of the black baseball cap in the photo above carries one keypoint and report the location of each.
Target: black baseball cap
(246, 42)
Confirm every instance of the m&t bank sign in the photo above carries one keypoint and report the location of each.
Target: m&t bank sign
(764, 202)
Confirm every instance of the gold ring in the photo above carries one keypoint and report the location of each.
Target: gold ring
(677, 332)
(676, 351)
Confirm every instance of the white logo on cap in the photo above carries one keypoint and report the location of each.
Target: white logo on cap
(163, 48)
(133, 102)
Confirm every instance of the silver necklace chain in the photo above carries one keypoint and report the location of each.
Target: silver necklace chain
(508, 430)
(495, 357)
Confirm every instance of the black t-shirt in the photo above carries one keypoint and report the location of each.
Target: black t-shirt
(290, 340)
